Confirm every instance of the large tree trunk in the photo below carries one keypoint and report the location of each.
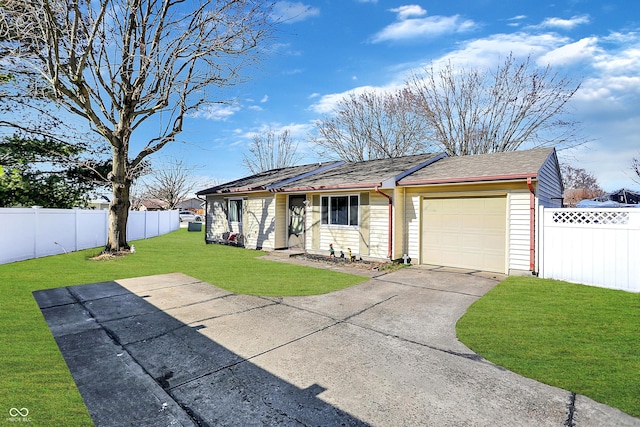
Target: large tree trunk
(120, 203)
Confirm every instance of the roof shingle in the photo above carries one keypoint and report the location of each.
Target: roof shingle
(482, 167)
(367, 174)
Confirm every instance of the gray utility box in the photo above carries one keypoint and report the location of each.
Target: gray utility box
(195, 226)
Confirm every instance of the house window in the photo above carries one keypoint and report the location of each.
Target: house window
(235, 210)
(340, 210)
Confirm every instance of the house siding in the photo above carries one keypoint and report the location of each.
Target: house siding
(517, 226)
(259, 222)
(519, 230)
(216, 221)
(378, 226)
(412, 222)
(281, 215)
(369, 239)
(549, 188)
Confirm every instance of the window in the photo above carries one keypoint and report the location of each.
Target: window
(339, 210)
(235, 210)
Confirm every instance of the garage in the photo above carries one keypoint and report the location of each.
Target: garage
(464, 232)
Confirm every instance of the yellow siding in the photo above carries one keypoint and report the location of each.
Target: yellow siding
(258, 222)
(378, 225)
(281, 228)
(519, 235)
(517, 217)
(342, 239)
(216, 218)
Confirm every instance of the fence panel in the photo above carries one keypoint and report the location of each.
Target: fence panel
(599, 247)
(56, 231)
(36, 232)
(136, 225)
(18, 234)
(151, 225)
(92, 228)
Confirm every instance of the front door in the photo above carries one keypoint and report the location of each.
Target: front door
(296, 221)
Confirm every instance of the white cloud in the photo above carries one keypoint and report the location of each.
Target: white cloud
(565, 24)
(289, 12)
(216, 112)
(570, 53)
(412, 23)
(406, 12)
(327, 103)
(297, 131)
(264, 99)
(489, 51)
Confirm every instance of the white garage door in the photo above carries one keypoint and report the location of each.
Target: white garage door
(464, 232)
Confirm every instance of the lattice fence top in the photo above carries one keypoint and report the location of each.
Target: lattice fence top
(591, 217)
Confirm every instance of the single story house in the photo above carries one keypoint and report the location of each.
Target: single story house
(477, 212)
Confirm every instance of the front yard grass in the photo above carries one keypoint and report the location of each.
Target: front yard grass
(34, 374)
(579, 338)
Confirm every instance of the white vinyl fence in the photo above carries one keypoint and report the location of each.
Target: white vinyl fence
(36, 232)
(599, 247)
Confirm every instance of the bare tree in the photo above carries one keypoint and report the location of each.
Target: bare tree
(371, 125)
(171, 182)
(118, 63)
(635, 167)
(477, 111)
(271, 151)
(579, 185)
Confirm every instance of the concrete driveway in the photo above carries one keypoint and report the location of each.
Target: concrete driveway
(171, 350)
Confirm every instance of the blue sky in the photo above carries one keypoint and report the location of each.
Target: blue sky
(326, 48)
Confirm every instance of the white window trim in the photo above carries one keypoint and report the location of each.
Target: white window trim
(233, 199)
(340, 226)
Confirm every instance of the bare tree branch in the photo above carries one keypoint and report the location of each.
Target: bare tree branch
(579, 185)
(635, 167)
(271, 151)
(171, 182)
(475, 111)
(118, 63)
(372, 125)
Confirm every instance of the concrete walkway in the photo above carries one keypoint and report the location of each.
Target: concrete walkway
(171, 350)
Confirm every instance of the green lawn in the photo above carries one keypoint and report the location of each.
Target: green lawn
(34, 375)
(579, 338)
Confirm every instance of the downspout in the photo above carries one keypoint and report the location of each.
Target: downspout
(206, 207)
(532, 225)
(390, 227)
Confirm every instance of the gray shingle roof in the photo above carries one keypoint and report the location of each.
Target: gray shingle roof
(366, 174)
(409, 170)
(482, 167)
(261, 181)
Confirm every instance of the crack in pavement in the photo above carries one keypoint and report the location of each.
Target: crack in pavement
(571, 411)
(469, 356)
(427, 288)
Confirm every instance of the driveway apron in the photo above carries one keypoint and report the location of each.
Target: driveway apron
(172, 350)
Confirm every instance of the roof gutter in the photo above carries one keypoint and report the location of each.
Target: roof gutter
(328, 187)
(469, 179)
(390, 227)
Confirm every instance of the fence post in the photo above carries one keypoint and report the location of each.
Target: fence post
(76, 212)
(36, 228)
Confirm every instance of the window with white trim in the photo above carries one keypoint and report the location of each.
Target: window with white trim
(340, 210)
(235, 210)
